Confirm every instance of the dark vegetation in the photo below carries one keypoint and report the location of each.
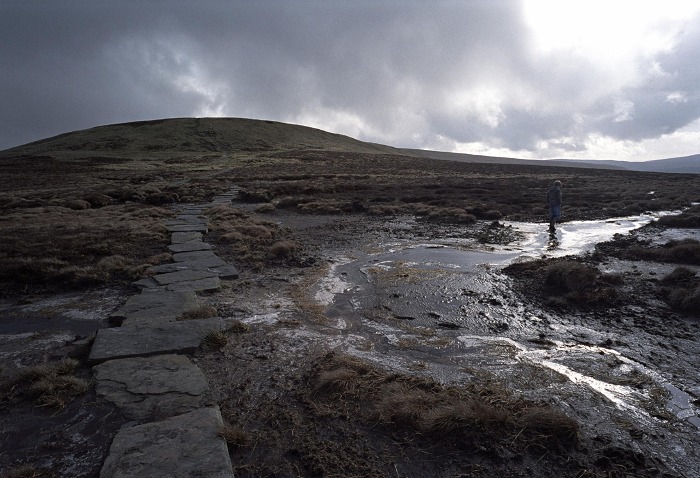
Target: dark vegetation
(87, 209)
(689, 218)
(249, 241)
(567, 282)
(346, 417)
(681, 289)
(381, 184)
(51, 384)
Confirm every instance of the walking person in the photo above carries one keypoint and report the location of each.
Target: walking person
(554, 203)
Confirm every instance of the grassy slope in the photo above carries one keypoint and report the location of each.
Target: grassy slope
(190, 135)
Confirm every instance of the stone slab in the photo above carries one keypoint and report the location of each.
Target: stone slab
(183, 222)
(157, 305)
(217, 266)
(147, 387)
(183, 276)
(190, 219)
(146, 283)
(193, 218)
(165, 268)
(190, 246)
(146, 340)
(184, 237)
(203, 263)
(226, 272)
(209, 284)
(193, 256)
(188, 228)
(186, 445)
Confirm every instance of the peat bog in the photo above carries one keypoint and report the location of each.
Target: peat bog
(304, 396)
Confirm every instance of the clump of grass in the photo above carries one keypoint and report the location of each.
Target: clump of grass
(234, 436)
(689, 219)
(202, 312)
(569, 276)
(680, 275)
(284, 249)
(98, 200)
(256, 231)
(52, 384)
(77, 204)
(215, 339)
(266, 207)
(451, 214)
(328, 206)
(686, 300)
(681, 290)
(57, 391)
(160, 258)
(28, 471)
(684, 251)
(237, 327)
(463, 415)
(247, 240)
(569, 281)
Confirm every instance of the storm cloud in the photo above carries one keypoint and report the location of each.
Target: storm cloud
(463, 76)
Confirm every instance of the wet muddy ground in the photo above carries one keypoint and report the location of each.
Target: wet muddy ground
(424, 300)
(433, 300)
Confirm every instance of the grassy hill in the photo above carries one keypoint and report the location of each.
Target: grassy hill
(194, 135)
(239, 136)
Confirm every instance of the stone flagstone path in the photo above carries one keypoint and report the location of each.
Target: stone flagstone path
(143, 368)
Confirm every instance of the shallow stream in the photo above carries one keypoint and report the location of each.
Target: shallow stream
(446, 308)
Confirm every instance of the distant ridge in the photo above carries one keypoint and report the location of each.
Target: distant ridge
(224, 135)
(475, 158)
(686, 164)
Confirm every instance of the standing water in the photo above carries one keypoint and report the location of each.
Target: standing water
(464, 310)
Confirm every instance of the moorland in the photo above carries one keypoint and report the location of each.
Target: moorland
(83, 217)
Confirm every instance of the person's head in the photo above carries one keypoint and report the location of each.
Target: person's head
(557, 184)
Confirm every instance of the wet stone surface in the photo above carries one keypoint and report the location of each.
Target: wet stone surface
(184, 445)
(152, 387)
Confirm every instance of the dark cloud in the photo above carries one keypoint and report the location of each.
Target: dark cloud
(404, 73)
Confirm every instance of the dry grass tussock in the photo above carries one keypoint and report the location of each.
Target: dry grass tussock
(299, 293)
(215, 339)
(565, 282)
(202, 312)
(684, 251)
(28, 471)
(690, 219)
(234, 436)
(249, 241)
(52, 384)
(62, 249)
(467, 416)
(681, 289)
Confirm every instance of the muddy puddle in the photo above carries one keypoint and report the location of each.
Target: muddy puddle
(78, 313)
(446, 310)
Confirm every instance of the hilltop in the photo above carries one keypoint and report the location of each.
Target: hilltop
(195, 135)
(186, 136)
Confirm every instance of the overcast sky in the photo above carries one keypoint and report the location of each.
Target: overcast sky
(597, 79)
